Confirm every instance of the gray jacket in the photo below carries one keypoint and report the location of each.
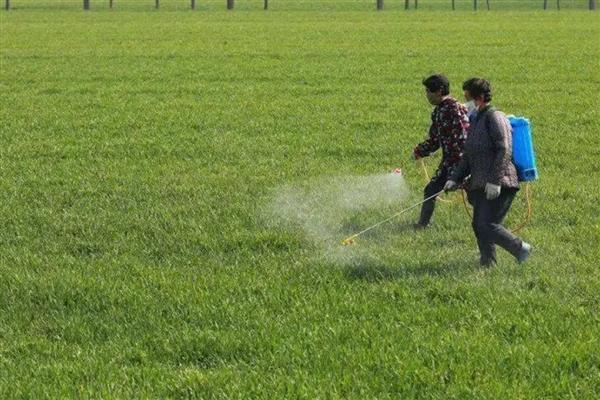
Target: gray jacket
(488, 152)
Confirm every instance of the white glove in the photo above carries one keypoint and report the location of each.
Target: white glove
(492, 191)
(450, 186)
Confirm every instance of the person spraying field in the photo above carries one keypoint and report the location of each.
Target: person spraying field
(494, 182)
(448, 131)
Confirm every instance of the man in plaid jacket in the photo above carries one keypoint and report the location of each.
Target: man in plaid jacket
(448, 131)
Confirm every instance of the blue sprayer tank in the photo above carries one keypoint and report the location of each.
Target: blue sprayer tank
(523, 153)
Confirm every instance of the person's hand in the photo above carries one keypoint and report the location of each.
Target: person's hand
(492, 191)
(415, 156)
(450, 186)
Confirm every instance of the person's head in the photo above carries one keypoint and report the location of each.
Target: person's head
(477, 90)
(437, 87)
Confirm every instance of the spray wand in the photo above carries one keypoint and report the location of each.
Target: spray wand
(350, 239)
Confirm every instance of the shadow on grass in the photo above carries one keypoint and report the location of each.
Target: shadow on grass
(371, 271)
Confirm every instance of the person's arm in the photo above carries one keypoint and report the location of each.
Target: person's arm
(431, 144)
(500, 135)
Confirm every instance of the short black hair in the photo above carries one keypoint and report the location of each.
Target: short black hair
(479, 87)
(437, 82)
(467, 84)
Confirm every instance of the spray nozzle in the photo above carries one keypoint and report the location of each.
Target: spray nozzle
(349, 241)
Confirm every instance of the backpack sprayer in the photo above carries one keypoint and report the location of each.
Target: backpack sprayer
(523, 157)
(523, 153)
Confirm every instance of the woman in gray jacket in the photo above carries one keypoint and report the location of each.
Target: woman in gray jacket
(493, 182)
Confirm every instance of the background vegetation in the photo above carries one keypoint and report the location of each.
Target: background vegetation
(139, 150)
(296, 5)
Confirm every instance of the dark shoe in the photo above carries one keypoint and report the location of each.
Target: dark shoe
(524, 253)
(487, 263)
(419, 227)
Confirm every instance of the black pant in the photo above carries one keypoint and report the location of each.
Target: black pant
(487, 219)
(434, 186)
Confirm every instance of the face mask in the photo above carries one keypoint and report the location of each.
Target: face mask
(471, 106)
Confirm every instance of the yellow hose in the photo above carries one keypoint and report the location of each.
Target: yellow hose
(529, 209)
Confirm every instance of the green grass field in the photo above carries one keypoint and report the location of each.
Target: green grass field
(140, 149)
